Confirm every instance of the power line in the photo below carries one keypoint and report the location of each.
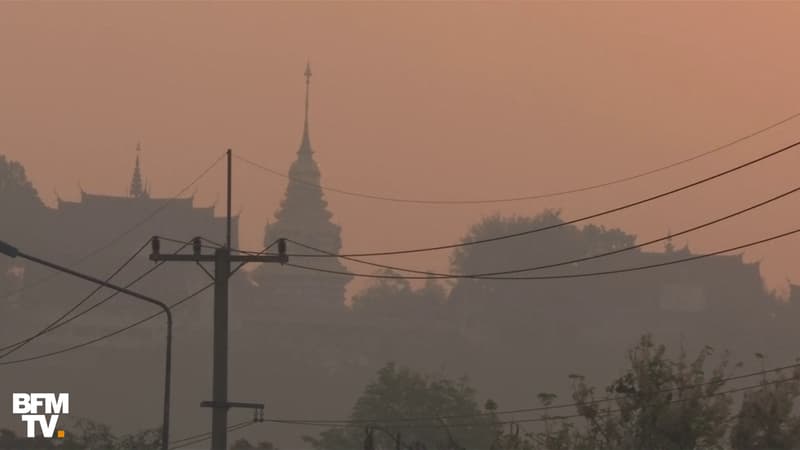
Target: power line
(18, 345)
(526, 197)
(348, 423)
(562, 263)
(126, 328)
(580, 219)
(212, 245)
(263, 251)
(548, 277)
(675, 401)
(202, 437)
(109, 335)
(119, 237)
(215, 244)
(60, 323)
(179, 241)
(563, 405)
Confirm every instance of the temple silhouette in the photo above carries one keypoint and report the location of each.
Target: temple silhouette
(119, 224)
(304, 216)
(291, 327)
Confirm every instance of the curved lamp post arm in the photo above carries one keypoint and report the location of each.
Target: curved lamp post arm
(13, 252)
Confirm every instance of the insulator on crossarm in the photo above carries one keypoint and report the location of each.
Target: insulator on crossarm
(155, 245)
(197, 247)
(282, 250)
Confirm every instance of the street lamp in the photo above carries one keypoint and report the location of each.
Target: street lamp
(13, 252)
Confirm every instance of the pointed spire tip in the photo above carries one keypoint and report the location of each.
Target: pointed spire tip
(306, 145)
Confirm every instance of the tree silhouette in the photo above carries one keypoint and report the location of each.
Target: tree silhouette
(10, 441)
(400, 393)
(244, 444)
(767, 418)
(661, 404)
(397, 298)
(21, 210)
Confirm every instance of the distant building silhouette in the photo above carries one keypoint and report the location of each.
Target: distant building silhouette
(723, 287)
(304, 216)
(716, 284)
(97, 218)
(76, 228)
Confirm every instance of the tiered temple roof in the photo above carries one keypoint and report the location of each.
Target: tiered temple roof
(304, 216)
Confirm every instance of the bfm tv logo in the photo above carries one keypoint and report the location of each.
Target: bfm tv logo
(29, 407)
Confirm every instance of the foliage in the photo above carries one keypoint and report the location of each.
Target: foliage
(658, 404)
(21, 210)
(766, 419)
(143, 440)
(397, 297)
(244, 444)
(85, 434)
(16, 191)
(88, 435)
(10, 441)
(19, 202)
(559, 242)
(398, 394)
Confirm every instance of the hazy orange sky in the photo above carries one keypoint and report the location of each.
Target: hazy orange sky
(439, 101)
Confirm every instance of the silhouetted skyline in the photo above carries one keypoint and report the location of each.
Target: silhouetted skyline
(498, 99)
(113, 108)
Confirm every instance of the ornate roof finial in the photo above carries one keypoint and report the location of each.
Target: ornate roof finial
(138, 190)
(668, 246)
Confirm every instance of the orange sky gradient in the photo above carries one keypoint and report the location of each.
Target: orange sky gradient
(438, 101)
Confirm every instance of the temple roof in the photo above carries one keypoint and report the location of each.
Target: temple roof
(303, 213)
(102, 200)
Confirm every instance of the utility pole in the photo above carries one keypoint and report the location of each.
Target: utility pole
(222, 260)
